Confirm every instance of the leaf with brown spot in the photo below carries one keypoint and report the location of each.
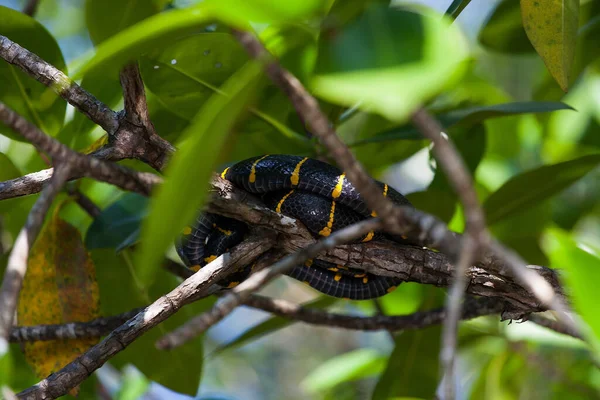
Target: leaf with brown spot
(60, 286)
(551, 26)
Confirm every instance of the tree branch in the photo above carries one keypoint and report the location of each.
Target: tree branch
(240, 293)
(60, 382)
(117, 175)
(418, 320)
(31, 7)
(52, 77)
(17, 262)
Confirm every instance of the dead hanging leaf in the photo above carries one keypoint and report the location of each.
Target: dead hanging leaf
(551, 26)
(60, 286)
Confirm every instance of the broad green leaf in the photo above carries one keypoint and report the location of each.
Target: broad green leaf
(186, 74)
(104, 18)
(60, 286)
(271, 325)
(580, 265)
(456, 7)
(346, 367)
(179, 369)
(245, 11)
(467, 117)
(389, 61)
(551, 27)
(28, 97)
(117, 223)
(412, 368)
(532, 187)
(503, 31)
(179, 199)
(150, 34)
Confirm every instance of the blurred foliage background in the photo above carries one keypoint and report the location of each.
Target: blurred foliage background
(534, 151)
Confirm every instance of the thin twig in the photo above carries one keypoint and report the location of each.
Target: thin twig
(17, 262)
(476, 236)
(60, 382)
(240, 293)
(309, 111)
(134, 96)
(84, 202)
(72, 330)
(554, 325)
(117, 175)
(418, 320)
(31, 7)
(52, 77)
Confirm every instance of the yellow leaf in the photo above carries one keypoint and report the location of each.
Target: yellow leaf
(551, 26)
(101, 141)
(60, 286)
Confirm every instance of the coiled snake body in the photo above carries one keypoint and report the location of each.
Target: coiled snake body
(316, 193)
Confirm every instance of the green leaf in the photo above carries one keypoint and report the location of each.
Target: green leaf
(389, 61)
(186, 74)
(8, 170)
(503, 31)
(150, 34)
(179, 199)
(117, 223)
(412, 368)
(104, 18)
(244, 11)
(133, 385)
(467, 117)
(346, 367)
(28, 97)
(529, 188)
(580, 265)
(551, 27)
(271, 325)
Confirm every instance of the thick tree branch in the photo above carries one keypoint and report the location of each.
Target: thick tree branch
(117, 175)
(52, 77)
(17, 262)
(59, 383)
(134, 96)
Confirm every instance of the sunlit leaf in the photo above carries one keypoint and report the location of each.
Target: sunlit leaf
(28, 97)
(60, 286)
(8, 170)
(114, 227)
(271, 325)
(244, 11)
(389, 61)
(346, 367)
(412, 368)
(532, 187)
(580, 266)
(104, 18)
(179, 199)
(551, 27)
(150, 34)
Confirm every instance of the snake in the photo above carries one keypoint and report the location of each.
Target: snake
(314, 192)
